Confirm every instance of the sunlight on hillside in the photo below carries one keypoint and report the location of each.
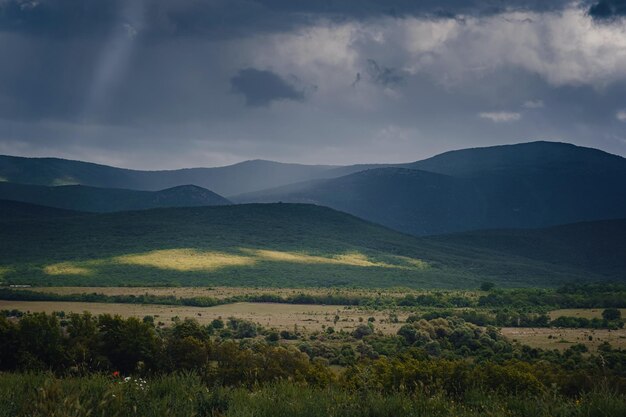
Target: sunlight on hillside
(66, 268)
(64, 181)
(185, 260)
(197, 260)
(351, 259)
(412, 262)
(3, 271)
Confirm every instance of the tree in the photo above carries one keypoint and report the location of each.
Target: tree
(362, 330)
(487, 286)
(611, 314)
(187, 353)
(409, 333)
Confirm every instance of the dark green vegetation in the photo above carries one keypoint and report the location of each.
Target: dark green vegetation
(517, 186)
(183, 395)
(276, 245)
(83, 198)
(434, 367)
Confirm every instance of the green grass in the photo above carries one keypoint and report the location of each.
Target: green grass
(41, 395)
(288, 245)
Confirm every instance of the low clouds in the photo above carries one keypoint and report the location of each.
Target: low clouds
(261, 87)
(621, 115)
(501, 116)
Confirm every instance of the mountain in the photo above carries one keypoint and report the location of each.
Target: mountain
(530, 156)
(528, 185)
(290, 245)
(229, 180)
(83, 198)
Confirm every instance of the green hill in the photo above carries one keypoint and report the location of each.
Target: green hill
(94, 199)
(598, 247)
(262, 245)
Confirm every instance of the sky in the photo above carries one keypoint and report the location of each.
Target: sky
(161, 84)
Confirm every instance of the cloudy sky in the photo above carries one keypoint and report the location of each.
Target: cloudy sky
(165, 84)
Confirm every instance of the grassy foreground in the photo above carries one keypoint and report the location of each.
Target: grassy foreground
(185, 395)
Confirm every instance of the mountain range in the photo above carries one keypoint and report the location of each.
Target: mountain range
(528, 185)
(95, 199)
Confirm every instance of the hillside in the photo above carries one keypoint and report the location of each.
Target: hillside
(598, 247)
(83, 198)
(229, 180)
(265, 245)
(15, 210)
(518, 186)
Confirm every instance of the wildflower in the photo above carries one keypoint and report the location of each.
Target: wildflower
(116, 374)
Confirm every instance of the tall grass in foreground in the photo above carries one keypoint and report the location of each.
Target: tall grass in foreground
(42, 395)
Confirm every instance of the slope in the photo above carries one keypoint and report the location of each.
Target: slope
(258, 245)
(15, 210)
(83, 198)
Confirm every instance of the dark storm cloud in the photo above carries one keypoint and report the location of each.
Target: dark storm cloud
(230, 18)
(171, 83)
(608, 9)
(261, 87)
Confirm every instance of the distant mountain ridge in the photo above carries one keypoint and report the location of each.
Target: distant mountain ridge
(95, 199)
(239, 178)
(528, 185)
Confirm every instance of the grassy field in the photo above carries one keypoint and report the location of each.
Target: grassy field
(220, 293)
(28, 395)
(308, 318)
(279, 316)
(561, 339)
(588, 313)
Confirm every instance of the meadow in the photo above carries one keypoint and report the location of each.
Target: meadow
(184, 395)
(280, 316)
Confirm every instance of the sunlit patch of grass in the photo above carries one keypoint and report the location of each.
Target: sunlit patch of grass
(66, 268)
(185, 260)
(193, 260)
(413, 263)
(65, 181)
(3, 272)
(349, 259)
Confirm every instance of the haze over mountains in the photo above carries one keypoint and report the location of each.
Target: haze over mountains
(517, 186)
(95, 199)
(527, 185)
(229, 180)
